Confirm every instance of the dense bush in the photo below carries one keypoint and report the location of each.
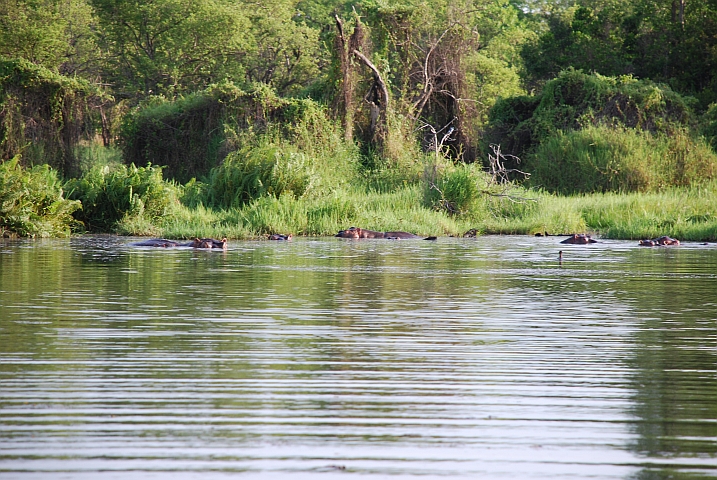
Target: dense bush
(44, 115)
(603, 159)
(110, 194)
(709, 126)
(453, 189)
(32, 202)
(575, 100)
(192, 135)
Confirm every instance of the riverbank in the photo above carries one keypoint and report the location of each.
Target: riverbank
(687, 214)
(137, 201)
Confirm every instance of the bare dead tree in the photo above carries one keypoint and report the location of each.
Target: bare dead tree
(377, 98)
(344, 105)
(500, 183)
(496, 167)
(436, 145)
(353, 48)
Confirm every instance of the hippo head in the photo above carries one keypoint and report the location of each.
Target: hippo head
(353, 232)
(209, 243)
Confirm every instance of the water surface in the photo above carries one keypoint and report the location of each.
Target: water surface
(325, 358)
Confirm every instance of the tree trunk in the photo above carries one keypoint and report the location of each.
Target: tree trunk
(377, 99)
(344, 107)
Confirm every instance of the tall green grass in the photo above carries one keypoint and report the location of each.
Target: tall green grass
(602, 159)
(124, 199)
(684, 213)
(32, 203)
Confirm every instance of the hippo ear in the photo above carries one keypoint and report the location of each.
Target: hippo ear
(196, 239)
(224, 240)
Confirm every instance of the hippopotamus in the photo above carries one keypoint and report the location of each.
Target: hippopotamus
(579, 239)
(158, 242)
(661, 241)
(279, 236)
(355, 232)
(208, 243)
(196, 243)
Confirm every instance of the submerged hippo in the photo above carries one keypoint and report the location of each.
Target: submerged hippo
(279, 236)
(661, 241)
(158, 242)
(208, 243)
(579, 239)
(355, 232)
(196, 243)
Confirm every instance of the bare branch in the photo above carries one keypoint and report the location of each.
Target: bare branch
(376, 76)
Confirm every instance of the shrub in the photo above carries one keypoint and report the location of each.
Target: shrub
(602, 159)
(453, 189)
(575, 100)
(255, 172)
(193, 134)
(113, 194)
(32, 202)
(709, 126)
(43, 115)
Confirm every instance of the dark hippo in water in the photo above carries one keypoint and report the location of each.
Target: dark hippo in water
(579, 239)
(208, 243)
(158, 242)
(196, 243)
(661, 241)
(355, 232)
(280, 237)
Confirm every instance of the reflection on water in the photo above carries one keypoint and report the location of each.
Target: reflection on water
(476, 358)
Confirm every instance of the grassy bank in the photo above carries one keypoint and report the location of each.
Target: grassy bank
(450, 201)
(687, 214)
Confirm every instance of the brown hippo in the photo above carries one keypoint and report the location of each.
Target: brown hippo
(158, 242)
(661, 241)
(579, 239)
(279, 236)
(355, 232)
(208, 243)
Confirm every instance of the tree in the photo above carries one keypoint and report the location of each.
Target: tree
(442, 63)
(284, 51)
(171, 46)
(56, 34)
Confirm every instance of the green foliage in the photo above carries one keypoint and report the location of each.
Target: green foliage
(166, 47)
(468, 192)
(193, 134)
(91, 154)
(708, 126)
(305, 165)
(185, 136)
(256, 172)
(32, 202)
(454, 189)
(52, 33)
(576, 100)
(43, 115)
(651, 39)
(111, 195)
(284, 53)
(603, 159)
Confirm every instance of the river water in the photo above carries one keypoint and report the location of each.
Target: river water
(326, 358)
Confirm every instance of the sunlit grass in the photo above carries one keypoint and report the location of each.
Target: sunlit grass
(687, 214)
